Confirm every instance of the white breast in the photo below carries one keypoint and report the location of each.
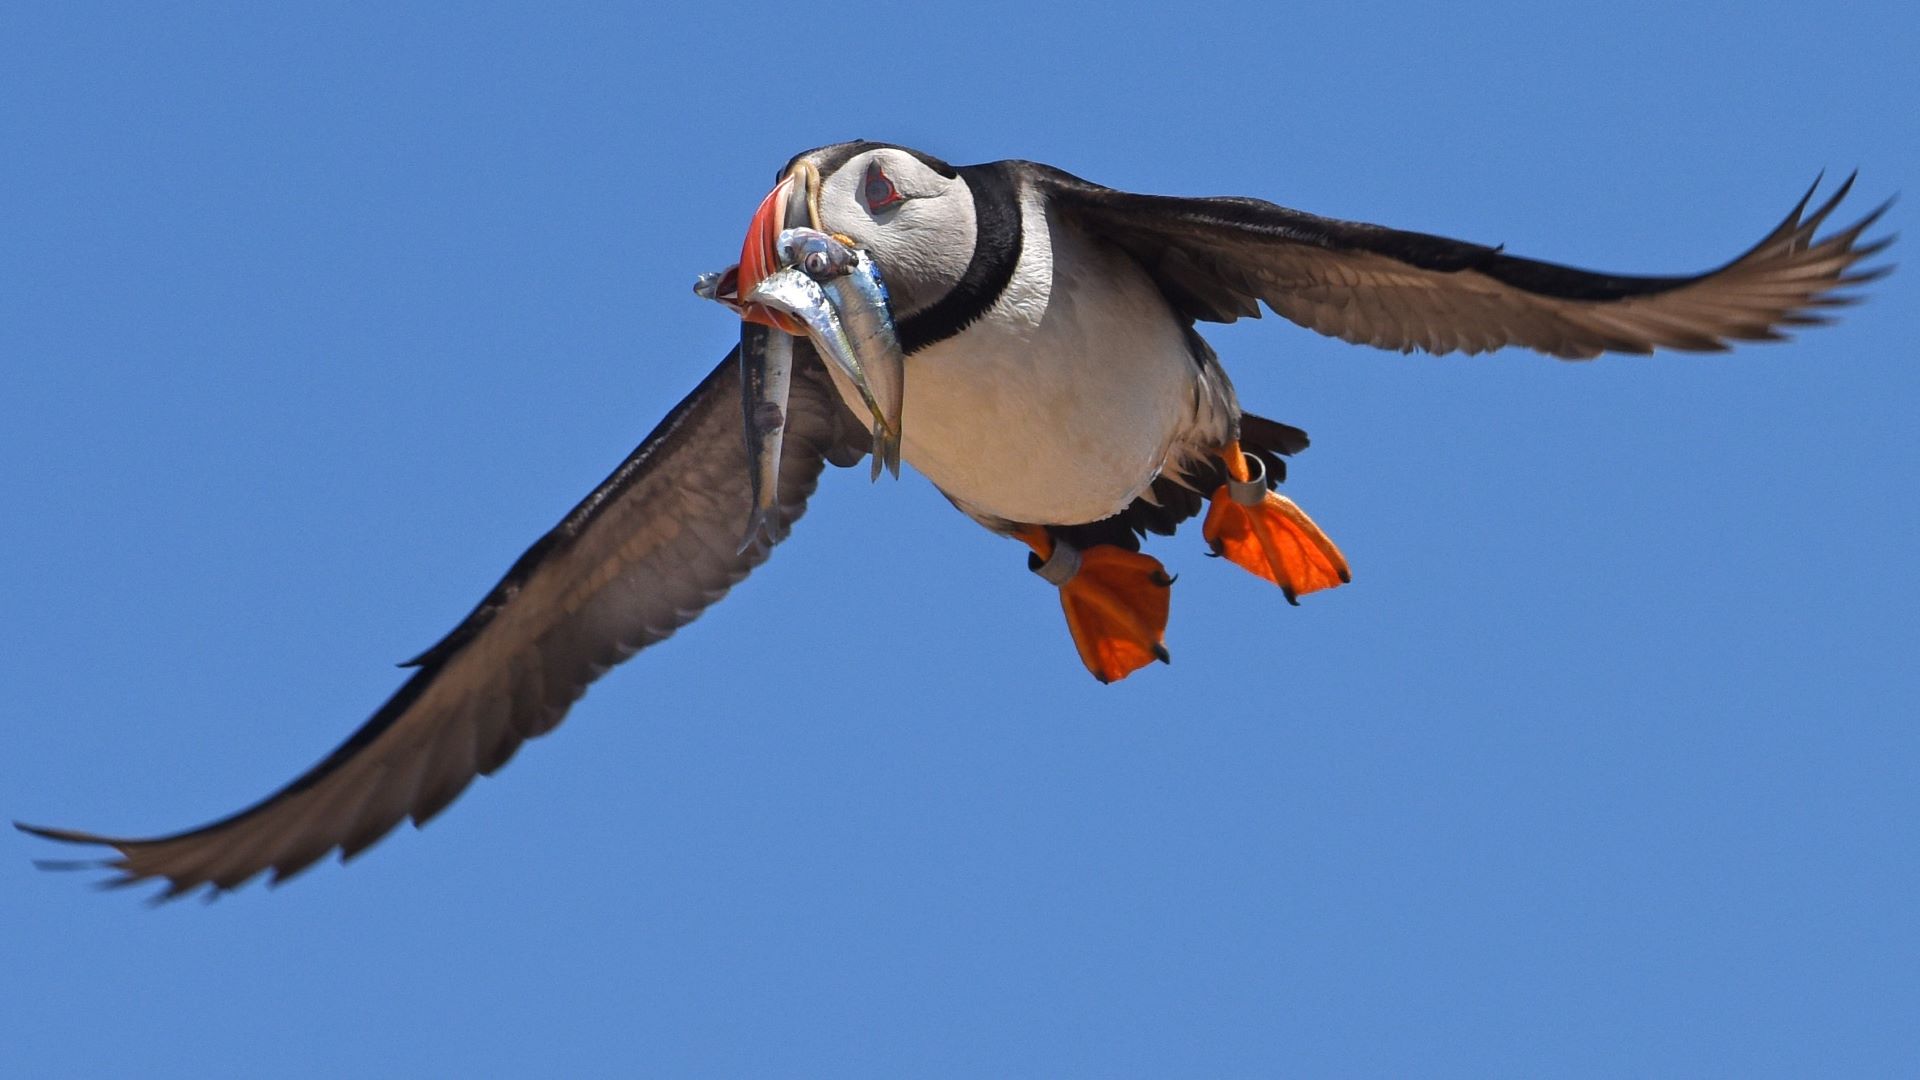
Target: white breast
(1062, 403)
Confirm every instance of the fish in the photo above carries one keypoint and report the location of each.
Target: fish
(819, 256)
(718, 286)
(869, 321)
(766, 379)
(792, 291)
(837, 292)
(859, 295)
(766, 375)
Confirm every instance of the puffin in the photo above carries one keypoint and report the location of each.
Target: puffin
(1057, 393)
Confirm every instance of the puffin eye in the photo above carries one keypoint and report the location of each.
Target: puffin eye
(879, 190)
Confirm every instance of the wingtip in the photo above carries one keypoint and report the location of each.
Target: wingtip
(64, 836)
(1801, 206)
(1862, 277)
(62, 866)
(1819, 216)
(71, 836)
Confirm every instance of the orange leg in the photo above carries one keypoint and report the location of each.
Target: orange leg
(1266, 533)
(1115, 602)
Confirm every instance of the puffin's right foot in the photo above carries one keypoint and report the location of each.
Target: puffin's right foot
(1115, 601)
(1268, 534)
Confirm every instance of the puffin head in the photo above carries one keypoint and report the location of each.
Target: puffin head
(911, 211)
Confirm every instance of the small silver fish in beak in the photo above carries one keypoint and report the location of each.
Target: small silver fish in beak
(766, 376)
(776, 301)
(853, 283)
(791, 292)
(719, 286)
(818, 255)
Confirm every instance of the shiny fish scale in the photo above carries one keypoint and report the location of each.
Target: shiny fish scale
(853, 284)
(766, 375)
(793, 292)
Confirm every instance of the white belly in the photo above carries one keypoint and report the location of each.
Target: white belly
(1062, 404)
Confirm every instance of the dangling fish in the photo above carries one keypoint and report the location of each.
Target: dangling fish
(836, 292)
(853, 283)
(766, 376)
(793, 292)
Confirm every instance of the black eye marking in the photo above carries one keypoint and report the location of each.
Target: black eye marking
(879, 190)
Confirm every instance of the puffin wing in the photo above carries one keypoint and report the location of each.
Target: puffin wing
(1216, 259)
(642, 555)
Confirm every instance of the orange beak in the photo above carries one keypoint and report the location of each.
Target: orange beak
(758, 258)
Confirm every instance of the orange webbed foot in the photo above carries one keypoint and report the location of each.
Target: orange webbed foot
(1115, 600)
(1268, 534)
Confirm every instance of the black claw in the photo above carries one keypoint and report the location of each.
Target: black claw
(1161, 654)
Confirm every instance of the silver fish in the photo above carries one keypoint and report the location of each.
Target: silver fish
(766, 375)
(852, 282)
(792, 291)
(869, 321)
(766, 378)
(711, 286)
(820, 256)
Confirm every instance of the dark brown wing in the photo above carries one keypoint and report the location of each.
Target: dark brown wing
(1217, 259)
(641, 556)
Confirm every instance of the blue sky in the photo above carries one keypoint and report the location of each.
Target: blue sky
(1605, 764)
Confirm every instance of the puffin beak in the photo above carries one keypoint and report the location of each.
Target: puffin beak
(794, 201)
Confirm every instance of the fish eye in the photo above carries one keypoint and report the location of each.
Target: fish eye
(879, 190)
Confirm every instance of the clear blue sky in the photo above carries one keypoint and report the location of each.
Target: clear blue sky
(1605, 764)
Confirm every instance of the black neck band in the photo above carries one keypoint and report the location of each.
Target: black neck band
(996, 251)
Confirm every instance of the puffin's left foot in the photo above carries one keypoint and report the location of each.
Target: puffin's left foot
(1267, 533)
(1115, 600)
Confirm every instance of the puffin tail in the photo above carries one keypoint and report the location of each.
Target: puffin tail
(1270, 441)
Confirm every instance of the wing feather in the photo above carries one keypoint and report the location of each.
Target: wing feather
(1218, 259)
(641, 556)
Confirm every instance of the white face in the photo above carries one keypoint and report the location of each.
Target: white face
(918, 224)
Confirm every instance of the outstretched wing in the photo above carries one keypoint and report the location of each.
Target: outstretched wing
(1217, 259)
(644, 554)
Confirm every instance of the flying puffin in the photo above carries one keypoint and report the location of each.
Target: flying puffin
(1057, 393)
